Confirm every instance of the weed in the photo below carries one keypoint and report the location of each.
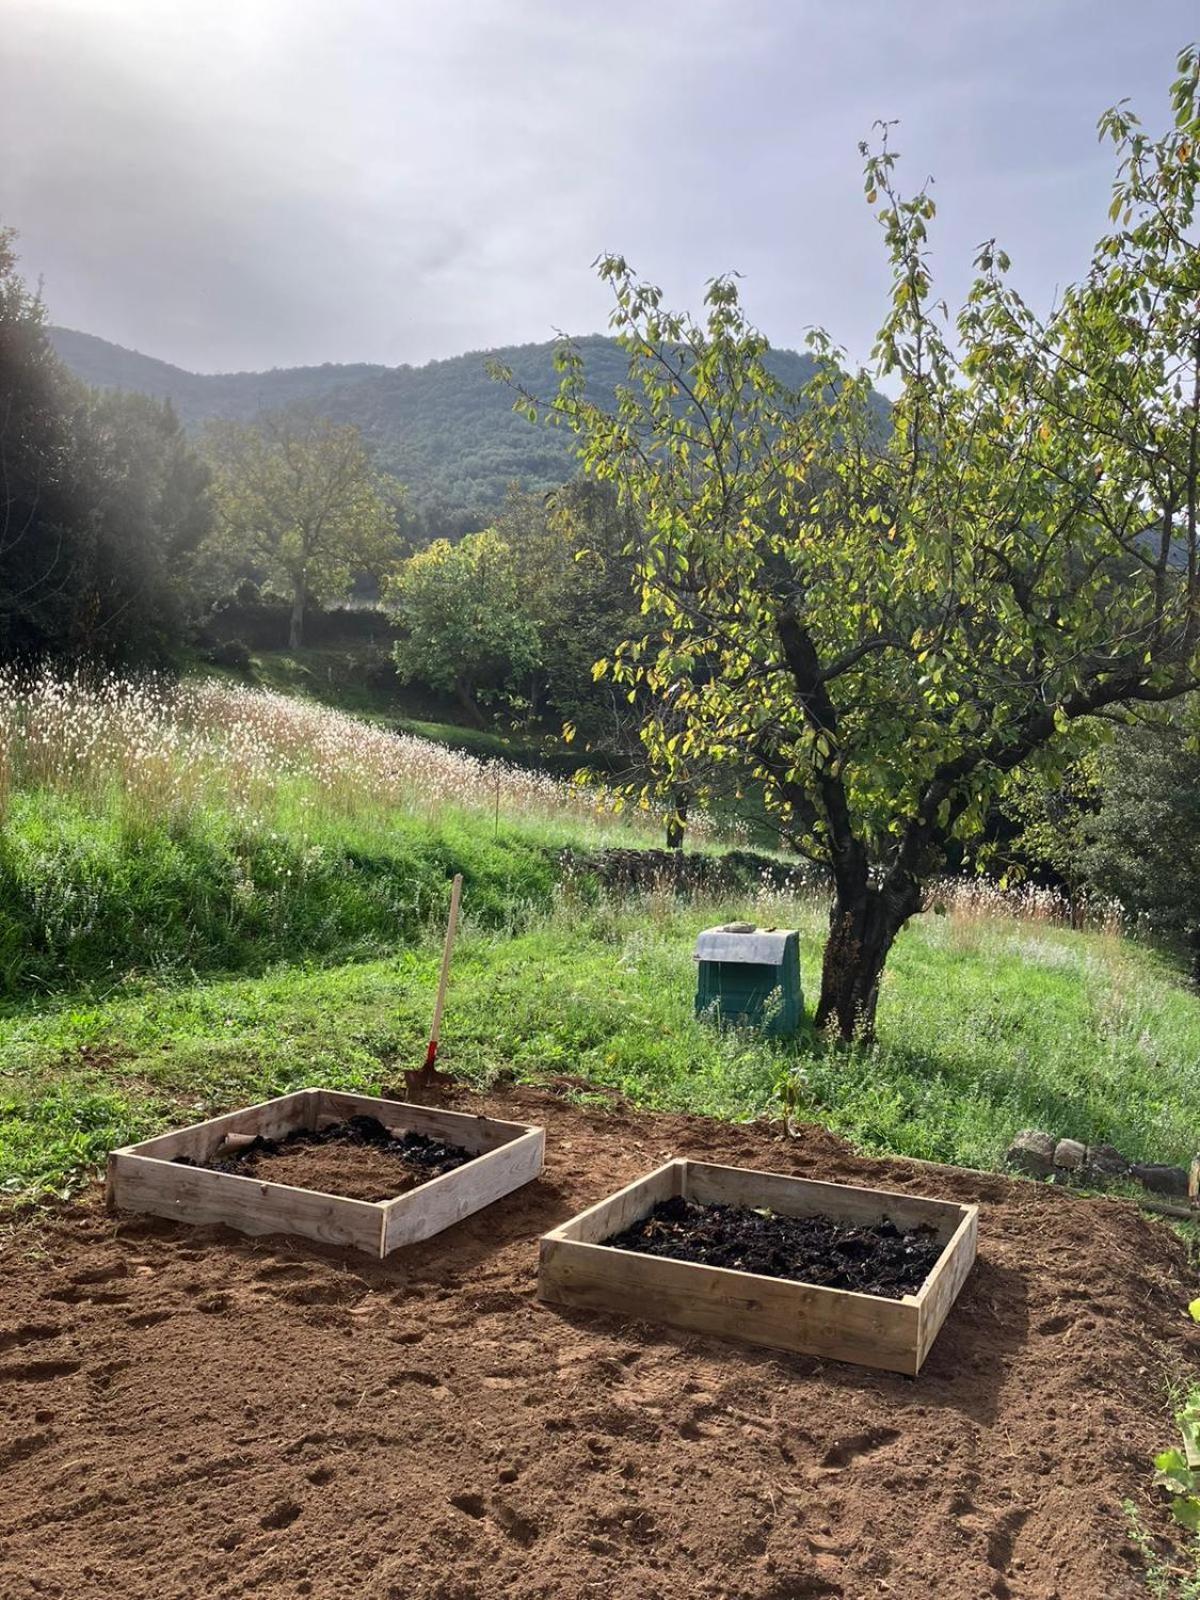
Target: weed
(1175, 1574)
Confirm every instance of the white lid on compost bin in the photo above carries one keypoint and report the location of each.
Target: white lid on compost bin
(742, 941)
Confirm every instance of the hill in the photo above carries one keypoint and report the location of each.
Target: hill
(447, 430)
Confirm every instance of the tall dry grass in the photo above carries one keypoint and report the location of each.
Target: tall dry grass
(166, 749)
(982, 900)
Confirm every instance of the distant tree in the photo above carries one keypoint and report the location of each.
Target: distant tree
(1123, 823)
(573, 549)
(102, 502)
(465, 628)
(1141, 840)
(1051, 817)
(151, 509)
(888, 622)
(569, 548)
(38, 542)
(298, 499)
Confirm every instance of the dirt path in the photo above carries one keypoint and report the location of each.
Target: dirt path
(188, 1413)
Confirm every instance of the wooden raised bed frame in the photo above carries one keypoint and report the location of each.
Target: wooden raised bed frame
(578, 1269)
(144, 1177)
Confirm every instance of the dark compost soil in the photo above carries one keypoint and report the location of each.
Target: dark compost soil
(882, 1260)
(186, 1412)
(357, 1160)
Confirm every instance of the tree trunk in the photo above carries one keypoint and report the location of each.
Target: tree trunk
(677, 823)
(296, 627)
(863, 926)
(467, 701)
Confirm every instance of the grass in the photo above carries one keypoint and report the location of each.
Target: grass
(155, 828)
(338, 677)
(209, 894)
(93, 896)
(335, 676)
(987, 1024)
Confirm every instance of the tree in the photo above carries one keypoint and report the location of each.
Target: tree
(573, 553)
(1052, 817)
(576, 584)
(102, 502)
(1142, 840)
(150, 509)
(1124, 824)
(298, 499)
(464, 625)
(891, 620)
(36, 549)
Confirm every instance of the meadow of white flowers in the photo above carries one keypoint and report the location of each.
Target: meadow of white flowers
(165, 748)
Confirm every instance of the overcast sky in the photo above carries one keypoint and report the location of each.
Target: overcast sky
(247, 183)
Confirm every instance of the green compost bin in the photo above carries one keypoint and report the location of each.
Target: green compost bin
(750, 977)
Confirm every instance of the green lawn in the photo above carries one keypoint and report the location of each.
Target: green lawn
(985, 1026)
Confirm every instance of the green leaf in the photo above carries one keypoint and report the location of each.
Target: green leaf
(1173, 1473)
(1189, 1427)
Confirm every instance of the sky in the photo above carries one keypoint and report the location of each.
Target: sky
(240, 184)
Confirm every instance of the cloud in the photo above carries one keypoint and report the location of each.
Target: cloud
(280, 181)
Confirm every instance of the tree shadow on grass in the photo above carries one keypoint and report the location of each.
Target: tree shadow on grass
(969, 1092)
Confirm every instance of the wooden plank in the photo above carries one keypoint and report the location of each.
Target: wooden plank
(940, 1289)
(270, 1118)
(618, 1211)
(193, 1194)
(443, 1201)
(1164, 1208)
(144, 1177)
(470, 1132)
(710, 1184)
(800, 1318)
(578, 1269)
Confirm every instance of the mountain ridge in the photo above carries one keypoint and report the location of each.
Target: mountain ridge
(445, 429)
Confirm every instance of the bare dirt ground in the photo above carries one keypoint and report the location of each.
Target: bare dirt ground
(191, 1413)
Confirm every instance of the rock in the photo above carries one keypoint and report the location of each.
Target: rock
(1159, 1178)
(1069, 1154)
(1105, 1161)
(1032, 1152)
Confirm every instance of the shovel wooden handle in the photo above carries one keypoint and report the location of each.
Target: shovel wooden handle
(440, 1003)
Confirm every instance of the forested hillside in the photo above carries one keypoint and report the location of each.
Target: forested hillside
(446, 430)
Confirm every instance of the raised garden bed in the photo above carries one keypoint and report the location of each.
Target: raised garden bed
(431, 1168)
(630, 1254)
